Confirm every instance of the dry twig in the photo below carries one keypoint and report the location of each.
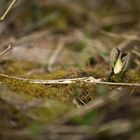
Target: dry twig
(6, 50)
(91, 80)
(7, 11)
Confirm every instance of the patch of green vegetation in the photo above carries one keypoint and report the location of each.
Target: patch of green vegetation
(64, 93)
(35, 90)
(53, 75)
(17, 67)
(86, 92)
(82, 92)
(22, 86)
(133, 76)
(98, 71)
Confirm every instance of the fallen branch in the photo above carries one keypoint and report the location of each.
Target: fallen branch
(69, 81)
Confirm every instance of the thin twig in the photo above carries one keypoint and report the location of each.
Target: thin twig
(8, 9)
(6, 50)
(69, 81)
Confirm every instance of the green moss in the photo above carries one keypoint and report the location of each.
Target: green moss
(23, 87)
(54, 75)
(133, 76)
(36, 90)
(81, 92)
(17, 67)
(64, 93)
(98, 71)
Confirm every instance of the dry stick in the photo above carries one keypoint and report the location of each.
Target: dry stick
(69, 81)
(6, 50)
(8, 9)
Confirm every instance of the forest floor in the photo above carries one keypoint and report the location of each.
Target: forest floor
(53, 81)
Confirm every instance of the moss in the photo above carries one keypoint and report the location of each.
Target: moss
(23, 87)
(98, 71)
(36, 90)
(60, 74)
(133, 76)
(17, 67)
(63, 93)
(81, 92)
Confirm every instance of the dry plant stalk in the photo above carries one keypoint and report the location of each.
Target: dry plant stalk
(85, 80)
(1, 19)
(6, 50)
(8, 10)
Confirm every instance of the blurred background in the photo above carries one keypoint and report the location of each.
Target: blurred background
(56, 39)
(82, 31)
